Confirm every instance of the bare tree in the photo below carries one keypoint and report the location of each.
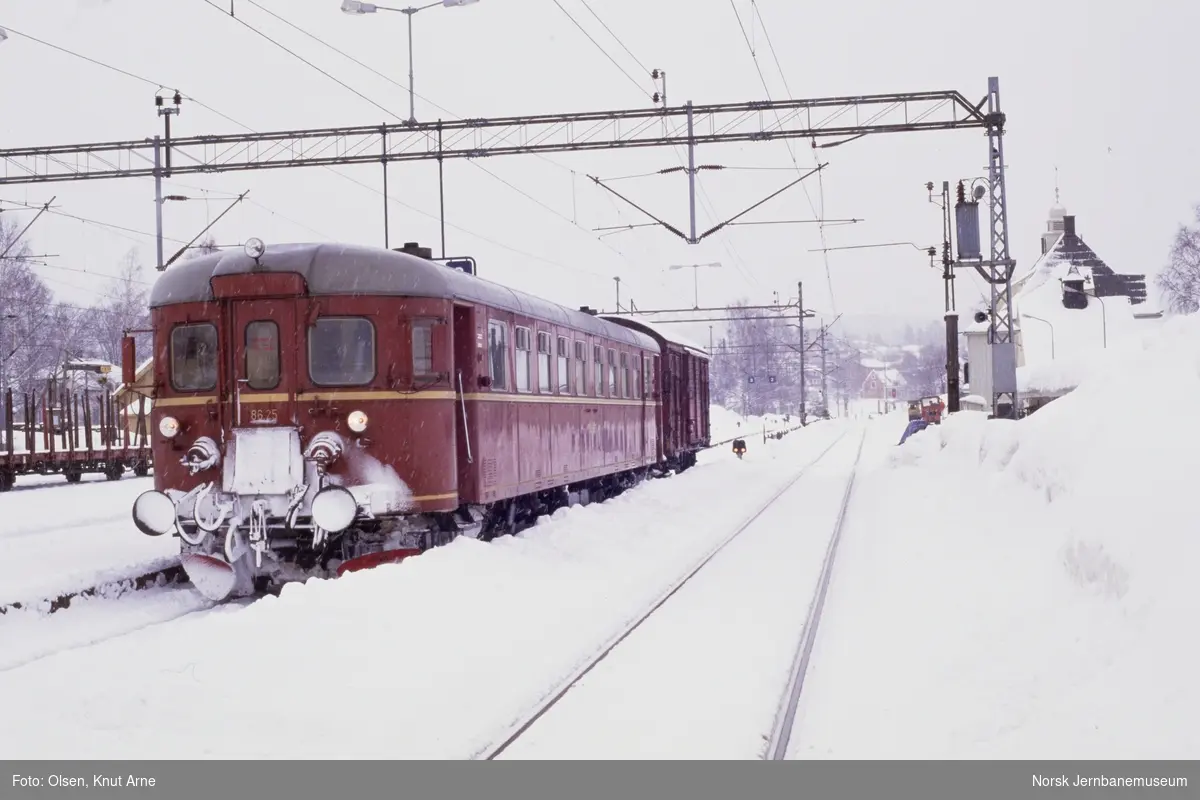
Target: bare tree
(1180, 281)
(929, 375)
(27, 332)
(124, 308)
(757, 364)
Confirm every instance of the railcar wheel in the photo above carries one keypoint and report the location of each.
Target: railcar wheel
(7, 479)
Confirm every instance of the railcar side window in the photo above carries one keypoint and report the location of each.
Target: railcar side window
(522, 359)
(498, 354)
(341, 351)
(194, 357)
(598, 360)
(612, 373)
(580, 368)
(564, 366)
(543, 362)
(625, 380)
(262, 354)
(422, 348)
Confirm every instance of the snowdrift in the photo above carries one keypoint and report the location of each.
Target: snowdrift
(1030, 586)
(723, 424)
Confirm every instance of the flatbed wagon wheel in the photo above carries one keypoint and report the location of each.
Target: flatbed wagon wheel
(7, 479)
(142, 469)
(114, 472)
(73, 475)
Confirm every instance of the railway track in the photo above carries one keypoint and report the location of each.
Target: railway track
(160, 577)
(785, 717)
(777, 741)
(175, 574)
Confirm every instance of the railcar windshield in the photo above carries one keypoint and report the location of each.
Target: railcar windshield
(262, 354)
(341, 351)
(194, 357)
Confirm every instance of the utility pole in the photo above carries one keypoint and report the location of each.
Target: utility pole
(803, 385)
(824, 373)
(162, 153)
(952, 372)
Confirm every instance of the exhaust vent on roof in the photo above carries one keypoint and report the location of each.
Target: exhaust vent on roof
(415, 249)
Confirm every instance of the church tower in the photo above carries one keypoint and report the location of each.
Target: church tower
(1055, 225)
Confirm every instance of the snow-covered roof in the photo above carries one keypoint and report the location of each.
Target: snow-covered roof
(142, 371)
(1058, 345)
(664, 331)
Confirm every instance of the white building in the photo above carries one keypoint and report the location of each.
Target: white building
(1069, 308)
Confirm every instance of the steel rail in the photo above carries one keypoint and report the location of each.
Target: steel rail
(785, 720)
(532, 715)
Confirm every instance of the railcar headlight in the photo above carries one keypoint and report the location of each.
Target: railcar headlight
(154, 513)
(357, 421)
(334, 508)
(168, 427)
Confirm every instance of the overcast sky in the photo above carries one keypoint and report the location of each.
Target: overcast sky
(1099, 91)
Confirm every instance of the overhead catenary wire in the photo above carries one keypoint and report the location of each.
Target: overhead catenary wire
(706, 201)
(342, 175)
(819, 214)
(624, 72)
(157, 85)
(491, 174)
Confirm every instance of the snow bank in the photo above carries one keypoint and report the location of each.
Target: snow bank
(723, 424)
(1026, 589)
(57, 539)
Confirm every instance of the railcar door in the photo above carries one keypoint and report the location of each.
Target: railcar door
(469, 347)
(264, 340)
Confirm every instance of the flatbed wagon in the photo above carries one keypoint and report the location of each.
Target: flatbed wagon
(72, 434)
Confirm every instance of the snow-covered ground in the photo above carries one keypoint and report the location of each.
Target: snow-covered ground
(703, 678)
(63, 538)
(1004, 590)
(1025, 589)
(56, 539)
(429, 658)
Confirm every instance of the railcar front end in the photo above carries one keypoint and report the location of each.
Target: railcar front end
(298, 436)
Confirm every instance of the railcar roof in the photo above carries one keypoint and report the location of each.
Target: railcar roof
(657, 330)
(343, 269)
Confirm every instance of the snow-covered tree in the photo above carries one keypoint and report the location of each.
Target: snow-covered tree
(1180, 281)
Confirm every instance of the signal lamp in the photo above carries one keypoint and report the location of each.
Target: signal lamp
(168, 427)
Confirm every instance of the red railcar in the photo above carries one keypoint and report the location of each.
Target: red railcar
(321, 408)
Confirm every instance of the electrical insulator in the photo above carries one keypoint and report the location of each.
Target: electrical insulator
(178, 98)
(157, 101)
(656, 99)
